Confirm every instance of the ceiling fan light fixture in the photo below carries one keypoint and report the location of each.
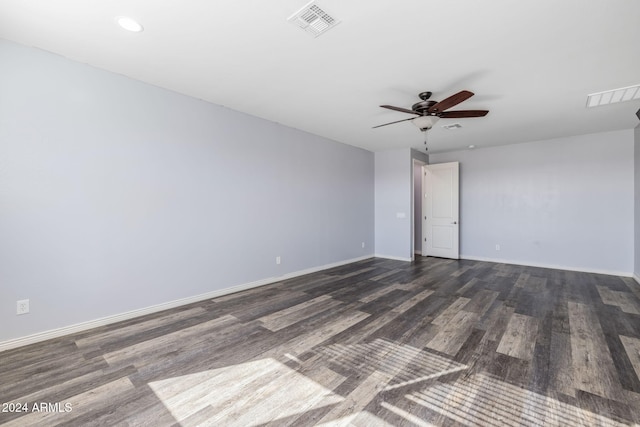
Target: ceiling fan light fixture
(425, 122)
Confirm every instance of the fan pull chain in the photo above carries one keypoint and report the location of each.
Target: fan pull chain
(425, 140)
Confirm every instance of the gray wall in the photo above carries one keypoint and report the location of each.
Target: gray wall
(394, 197)
(417, 216)
(116, 195)
(417, 207)
(637, 201)
(565, 202)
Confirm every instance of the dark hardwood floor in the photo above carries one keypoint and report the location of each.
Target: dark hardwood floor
(379, 342)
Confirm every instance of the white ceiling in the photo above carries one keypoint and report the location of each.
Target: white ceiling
(531, 63)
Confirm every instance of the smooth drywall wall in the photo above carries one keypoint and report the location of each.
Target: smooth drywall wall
(417, 207)
(116, 195)
(418, 159)
(636, 156)
(394, 202)
(566, 202)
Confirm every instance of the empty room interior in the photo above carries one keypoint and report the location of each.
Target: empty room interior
(283, 213)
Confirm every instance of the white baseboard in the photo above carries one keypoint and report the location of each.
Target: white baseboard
(636, 277)
(552, 266)
(397, 258)
(83, 326)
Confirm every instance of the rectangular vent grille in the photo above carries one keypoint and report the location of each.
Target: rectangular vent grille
(313, 19)
(452, 126)
(612, 96)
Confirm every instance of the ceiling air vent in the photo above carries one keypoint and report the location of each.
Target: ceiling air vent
(313, 19)
(452, 126)
(623, 94)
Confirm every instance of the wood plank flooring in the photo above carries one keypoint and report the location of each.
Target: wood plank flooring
(374, 343)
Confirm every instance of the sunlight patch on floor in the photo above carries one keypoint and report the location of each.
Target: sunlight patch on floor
(247, 394)
(407, 364)
(482, 400)
(359, 419)
(406, 415)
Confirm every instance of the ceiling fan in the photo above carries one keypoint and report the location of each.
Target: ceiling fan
(429, 112)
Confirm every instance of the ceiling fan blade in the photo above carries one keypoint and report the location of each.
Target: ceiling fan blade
(393, 123)
(449, 102)
(404, 110)
(463, 113)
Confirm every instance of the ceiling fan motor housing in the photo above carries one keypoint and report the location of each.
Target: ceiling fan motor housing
(423, 106)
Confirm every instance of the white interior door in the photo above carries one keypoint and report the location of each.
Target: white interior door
(440, 211)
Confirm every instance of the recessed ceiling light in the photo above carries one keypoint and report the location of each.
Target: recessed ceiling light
(129, 24)
(472, 146)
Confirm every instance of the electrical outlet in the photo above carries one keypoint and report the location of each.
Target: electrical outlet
(22, 306)
(497, 247)
(277, 260)
(363, 244)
